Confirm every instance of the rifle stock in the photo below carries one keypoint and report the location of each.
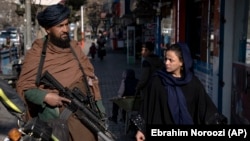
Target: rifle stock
(81, 106)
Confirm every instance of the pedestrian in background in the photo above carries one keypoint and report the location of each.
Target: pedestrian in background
(92, 50)
(176, 96)
(101, 41)
(150, 63)
(127, 88)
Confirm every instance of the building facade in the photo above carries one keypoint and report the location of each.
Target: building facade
(218, 35)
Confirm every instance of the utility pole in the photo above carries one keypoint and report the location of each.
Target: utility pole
(27, 42)
(82, 25)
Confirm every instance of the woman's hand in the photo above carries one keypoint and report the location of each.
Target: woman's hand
(139, 136)
(53, 99)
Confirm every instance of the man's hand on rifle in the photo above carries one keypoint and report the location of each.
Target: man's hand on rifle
(53, 99)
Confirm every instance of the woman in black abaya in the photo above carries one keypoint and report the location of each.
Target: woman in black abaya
(175, 95)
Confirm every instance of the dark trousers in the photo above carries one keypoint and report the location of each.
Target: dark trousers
(93, 55)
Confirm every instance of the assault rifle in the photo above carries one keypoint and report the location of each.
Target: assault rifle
(80, 106)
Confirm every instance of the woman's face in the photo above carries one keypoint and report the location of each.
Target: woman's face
(173, 63)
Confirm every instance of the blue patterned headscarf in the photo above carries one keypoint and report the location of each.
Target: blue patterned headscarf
(176, 99)
(53, 15)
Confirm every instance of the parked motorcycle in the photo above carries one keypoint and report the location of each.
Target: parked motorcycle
(33, 130)
(26, 130)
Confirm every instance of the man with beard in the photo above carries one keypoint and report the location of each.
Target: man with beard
(64, 60)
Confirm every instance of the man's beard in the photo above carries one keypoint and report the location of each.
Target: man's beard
(61, 43)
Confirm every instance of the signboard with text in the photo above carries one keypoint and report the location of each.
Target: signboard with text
(149, 32)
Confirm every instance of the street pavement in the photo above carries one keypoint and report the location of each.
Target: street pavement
(109, 71)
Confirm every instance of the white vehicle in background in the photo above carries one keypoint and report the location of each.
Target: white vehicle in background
(15, 38)
(72, 28)
(12, 33)
(4, 34)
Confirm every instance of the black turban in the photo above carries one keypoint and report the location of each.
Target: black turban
(53, 15)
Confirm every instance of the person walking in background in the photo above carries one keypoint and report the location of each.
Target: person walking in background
(176, 96)
(150, 63)
(64, 60)
(101, 41)
(127, 88)
(92, 50)
(8, 44)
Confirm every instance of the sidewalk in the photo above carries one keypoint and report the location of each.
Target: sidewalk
(109, 72)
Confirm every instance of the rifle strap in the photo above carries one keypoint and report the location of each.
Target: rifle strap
(81, 68)
(39, 71)
(85, 81)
